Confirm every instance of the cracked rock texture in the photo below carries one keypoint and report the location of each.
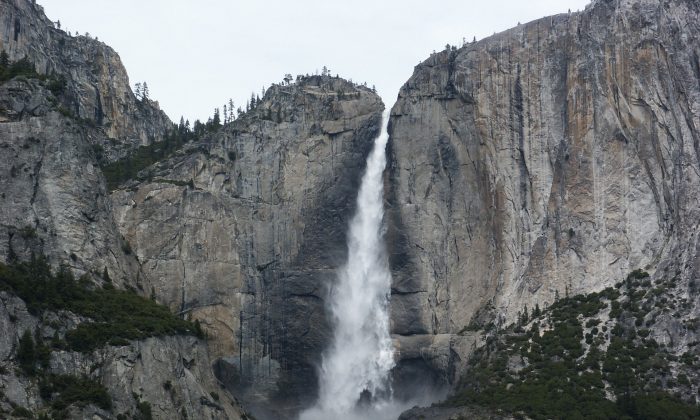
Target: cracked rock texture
(245, 229)
(552, 158)
(142, 368)
(98, 88)
(54, 202)
(52, 190)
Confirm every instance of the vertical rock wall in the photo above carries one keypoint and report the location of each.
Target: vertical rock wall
(552, 158)
(244, 231)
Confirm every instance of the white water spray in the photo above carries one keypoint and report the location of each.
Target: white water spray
(358, 362)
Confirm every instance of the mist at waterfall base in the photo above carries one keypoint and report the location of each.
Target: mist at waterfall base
(354, 380)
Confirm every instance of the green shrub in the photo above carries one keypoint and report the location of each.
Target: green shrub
(64, 390)
(144, 411)
(22, 412)
(558, 383)
(26, 353)
(117, 316)
(122, 170)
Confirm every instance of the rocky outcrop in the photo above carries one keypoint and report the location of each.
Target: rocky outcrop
(172, 374)
(552, 158)
(98, 88)
(244, 231)
(51, 188)
(55, 126)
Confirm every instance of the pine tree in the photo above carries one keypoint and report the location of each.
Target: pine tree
(252, 100)
(230, 110)
(26, 353)
(225, 114)
(137, 90)
(216, 121)
(144, 92)
(41, 350)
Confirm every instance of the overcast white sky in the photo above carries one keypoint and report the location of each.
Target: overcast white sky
(195, 54)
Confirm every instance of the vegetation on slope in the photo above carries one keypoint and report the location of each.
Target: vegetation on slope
(25, 68)
(584, 357)
(113, 317)
(122, 170)
(116, 316)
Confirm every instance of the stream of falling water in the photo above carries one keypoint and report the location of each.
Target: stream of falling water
(354, 375)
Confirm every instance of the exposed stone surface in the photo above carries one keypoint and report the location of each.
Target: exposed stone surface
(552, 158)
(98, 87)
(54, 202)
(173, 374)
(51, 190)
(549, 159)
(245, 229)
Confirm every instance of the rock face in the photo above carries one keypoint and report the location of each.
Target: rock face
(98, 88)
(51, 184)
(172, 374)
(54, 202)
(51, 189)
(244, 231)
(552, 158)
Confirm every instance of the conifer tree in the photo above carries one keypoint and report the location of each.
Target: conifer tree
(26, 353)
(216, 122)
(144, 91)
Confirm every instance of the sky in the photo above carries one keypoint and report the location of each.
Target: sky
(196, 54)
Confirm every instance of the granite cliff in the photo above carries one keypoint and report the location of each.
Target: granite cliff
(245, 230)
(534, 169)
(98, 88)
(546, 161)
(65, 107)
(240, 230)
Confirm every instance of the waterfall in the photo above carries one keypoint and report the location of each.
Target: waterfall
(354, 374)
